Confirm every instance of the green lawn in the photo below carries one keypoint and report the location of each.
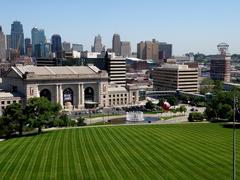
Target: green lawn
(187, 151)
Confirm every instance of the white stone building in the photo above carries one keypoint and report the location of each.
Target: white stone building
(74, 87)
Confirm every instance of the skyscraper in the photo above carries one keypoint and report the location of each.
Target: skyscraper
(165, 50)
(8, 41)
(27, 43)
(220, 68)
(57, 45)
(148, 50)
(98, 47)
(77, 47)
(17, 37)
(38, 39)
(116, 44)
(125, 49)
(66, 46)
(2, 46)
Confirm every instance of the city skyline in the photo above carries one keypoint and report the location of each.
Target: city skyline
(189, 26)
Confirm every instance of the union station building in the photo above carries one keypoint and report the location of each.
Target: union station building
(74, 87)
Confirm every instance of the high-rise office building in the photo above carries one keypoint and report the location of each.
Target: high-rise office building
(77, 47)
(38, 40)
(148, 50)
(125, 49)
(116, 44)
(2, 46)
(27, 42)
(165, 50)
(57, 45)
(116, 68)
(17, 37)
(98, 47)
(220, 67)
(66, 46)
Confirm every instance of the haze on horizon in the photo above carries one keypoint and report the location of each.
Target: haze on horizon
(189, 25)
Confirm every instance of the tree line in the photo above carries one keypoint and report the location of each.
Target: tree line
(37, 113)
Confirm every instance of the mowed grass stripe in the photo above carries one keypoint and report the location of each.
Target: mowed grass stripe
(75, 145)
(190, 163)
(141, 140)
(131, 156)
(100, 168)
(71, 158)
(86, 155)
(142, 143)
(60, 159)
(55, 155)
(118, 167)
(22, 165)
(14, 146)
(32, 160)
(146, 161)
(46, 156)
(11, 158)
(185, 148)
(168, 150)
(127, 158)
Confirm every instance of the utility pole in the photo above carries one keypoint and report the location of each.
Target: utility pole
(234, 138)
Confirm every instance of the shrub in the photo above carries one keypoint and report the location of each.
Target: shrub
(195, 117)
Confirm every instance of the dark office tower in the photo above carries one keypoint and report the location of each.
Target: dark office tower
(17, 37)
(2, 46)
(98, 47)
(27, 42)
(57, 45)
(165, 50)
(8, 41)
(116, 44)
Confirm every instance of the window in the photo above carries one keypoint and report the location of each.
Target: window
(117, 95)
(8, 102)
(110, 96)
(104, 96)
(14, 101)
(114, 95)
(121, 95)
(2, 102)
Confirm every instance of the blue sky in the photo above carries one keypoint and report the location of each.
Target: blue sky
(190, 25)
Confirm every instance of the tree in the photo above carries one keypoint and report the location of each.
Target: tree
(207, 86)
(15, 113)
(80, 121)
(7, 125)
(172, 100)
(149, 105)
(182, 109)
(39, 110)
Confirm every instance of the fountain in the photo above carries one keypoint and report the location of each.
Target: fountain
(136, 116)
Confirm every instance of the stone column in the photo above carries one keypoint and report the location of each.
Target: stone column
(60, 95)
(56, 94)
(80, 96)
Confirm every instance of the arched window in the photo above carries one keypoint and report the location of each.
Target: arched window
(46, 93)
(89, 94)
(68, 96)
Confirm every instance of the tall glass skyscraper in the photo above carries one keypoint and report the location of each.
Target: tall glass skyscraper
(17, 37)
(116, 44)
(57, 45)
(38, 42)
